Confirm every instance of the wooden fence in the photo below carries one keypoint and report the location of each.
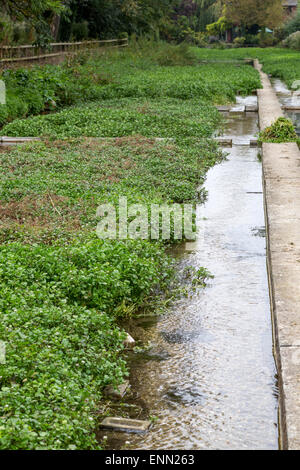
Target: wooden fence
(26, 52)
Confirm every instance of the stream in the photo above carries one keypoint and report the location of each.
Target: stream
(209, 377)
(290, 99)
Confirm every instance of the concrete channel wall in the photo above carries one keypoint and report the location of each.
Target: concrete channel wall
(281, 181)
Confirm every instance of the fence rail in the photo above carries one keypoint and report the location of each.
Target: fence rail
(30, 52)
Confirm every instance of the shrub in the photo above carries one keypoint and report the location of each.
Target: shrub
(123, 35)
(15, 107)
(292, 41)
(282, 130)
(80, 31)
(266, 39)
(252, 39)
(239, 41)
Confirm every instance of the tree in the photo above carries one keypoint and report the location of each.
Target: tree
(31, 9)
(108, 18)
(293, 23)
(220, 27)
(40, 13)
(250, 12)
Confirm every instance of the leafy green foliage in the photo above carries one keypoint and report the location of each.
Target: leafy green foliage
(31, 91)
(38, 13)
(293, 41)
(56, 187)
(62, 289)
(153, 118)
(293, 25)
(282, 130)
(278, 62)
(133, 73)
(62, 347)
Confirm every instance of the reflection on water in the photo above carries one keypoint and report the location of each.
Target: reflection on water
(211, 378)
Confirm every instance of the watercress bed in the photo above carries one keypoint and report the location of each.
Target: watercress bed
(63, 290)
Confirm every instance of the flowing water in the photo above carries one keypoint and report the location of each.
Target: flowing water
(209, 376)
(290, 99)
(295, 117)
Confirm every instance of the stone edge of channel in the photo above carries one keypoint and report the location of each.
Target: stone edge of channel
(281, 183)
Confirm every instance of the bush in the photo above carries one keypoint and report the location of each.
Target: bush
(292, 41)
(15, 107)
(239, 41)
(252, 39)
(266, 40)
(123, 35)
(160, 52)
(80, 31)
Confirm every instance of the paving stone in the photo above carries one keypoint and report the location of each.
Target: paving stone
(129, 342)
(239, 109)
(251, 108)
(291, 108)
(224, 141)
(18, 140)
(126, 425)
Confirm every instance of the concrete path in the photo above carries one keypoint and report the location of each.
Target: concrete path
(281, 179)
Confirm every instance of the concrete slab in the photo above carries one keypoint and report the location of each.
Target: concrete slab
(281, 178)
(291, 108)
(6, 139)
(129, 342)
(269, 109)
(251, 109)
(126, 425)
(224, 141)
(238, 109)
(285, 274)
(281, 160)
